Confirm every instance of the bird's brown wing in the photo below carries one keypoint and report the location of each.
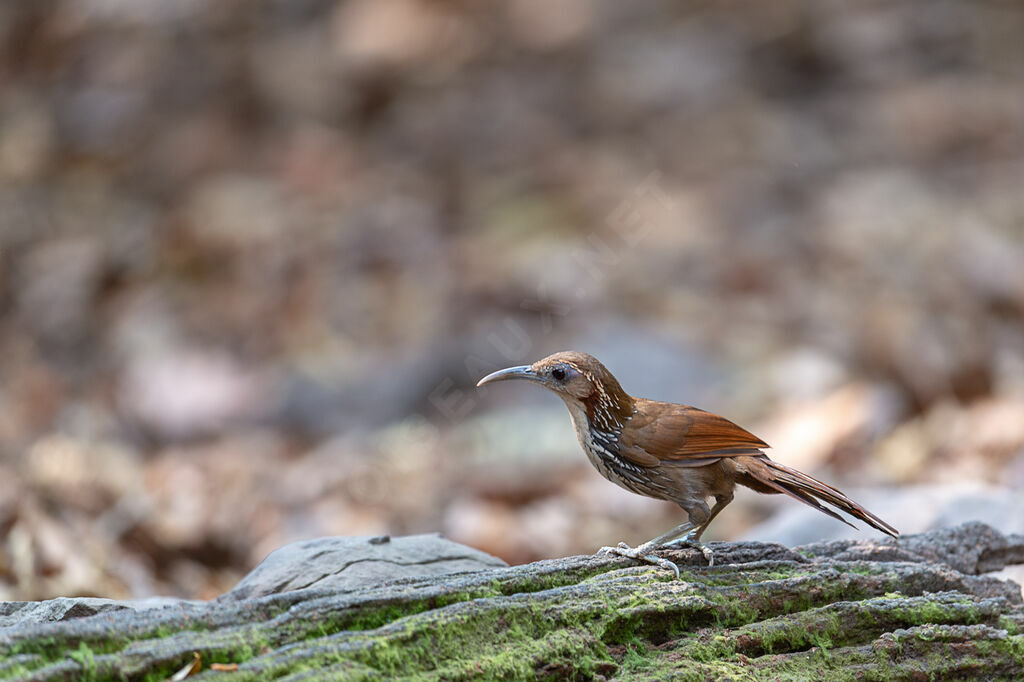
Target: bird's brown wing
(682, 435)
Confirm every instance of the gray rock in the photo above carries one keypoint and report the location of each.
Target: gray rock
(972, 548)
(66, 608)
(886, 608)
(335, 564)
(341, 564)
(882, 609)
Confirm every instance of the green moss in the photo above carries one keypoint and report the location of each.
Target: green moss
(918, 611)
(547, 581)
(1008, 624)
(86, 659)
(771, 621)
(49, 649)
(830, 626)
(843, 664)
(1010, 646)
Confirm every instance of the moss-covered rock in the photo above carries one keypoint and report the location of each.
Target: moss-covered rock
(908, 609)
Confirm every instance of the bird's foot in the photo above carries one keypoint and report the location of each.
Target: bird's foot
(641, 553)
(696, 544)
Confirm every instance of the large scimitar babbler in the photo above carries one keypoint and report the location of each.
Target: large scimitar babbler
(671, 452)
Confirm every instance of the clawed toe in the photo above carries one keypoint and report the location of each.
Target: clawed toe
(709, 556)
(641, 553)
(663, 563)
(622, 549)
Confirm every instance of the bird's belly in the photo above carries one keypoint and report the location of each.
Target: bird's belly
(629, 476)
(700, 482)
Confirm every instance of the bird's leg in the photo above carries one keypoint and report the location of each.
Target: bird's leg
(669, 537)
(644, 552)
(693, 537)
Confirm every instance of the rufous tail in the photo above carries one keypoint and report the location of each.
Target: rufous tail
(781, 478)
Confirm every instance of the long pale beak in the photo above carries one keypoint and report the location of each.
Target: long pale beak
(521, 372)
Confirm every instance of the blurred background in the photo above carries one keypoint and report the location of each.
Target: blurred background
(255, 254)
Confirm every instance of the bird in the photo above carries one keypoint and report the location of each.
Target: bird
(671, 452)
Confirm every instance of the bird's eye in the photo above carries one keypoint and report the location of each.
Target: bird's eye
(558, 373)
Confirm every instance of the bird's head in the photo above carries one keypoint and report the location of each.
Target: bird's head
(575, 377)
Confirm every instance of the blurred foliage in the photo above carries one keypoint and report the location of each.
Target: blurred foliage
(254, 254)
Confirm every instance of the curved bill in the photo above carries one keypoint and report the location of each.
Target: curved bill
(521, 372)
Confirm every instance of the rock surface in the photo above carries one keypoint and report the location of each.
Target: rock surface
(844, 610)
(347, 563)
